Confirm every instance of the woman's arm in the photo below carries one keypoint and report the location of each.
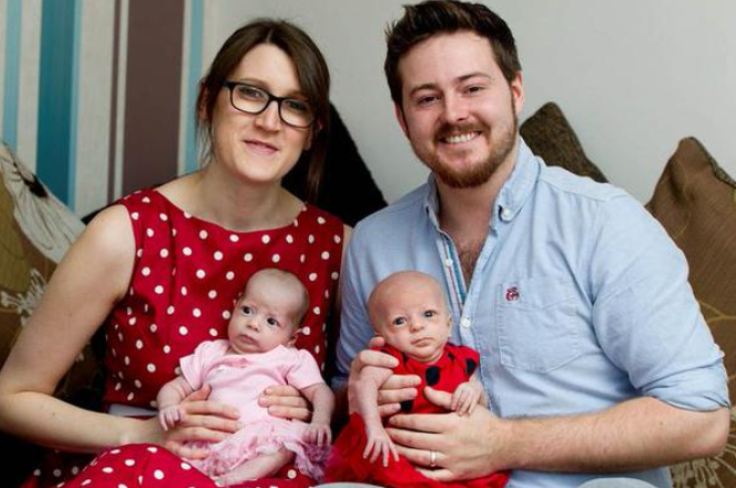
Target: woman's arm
(88, 282)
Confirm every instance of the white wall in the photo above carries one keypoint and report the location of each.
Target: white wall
(633, 77)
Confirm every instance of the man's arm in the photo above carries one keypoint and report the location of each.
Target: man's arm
(634, 435)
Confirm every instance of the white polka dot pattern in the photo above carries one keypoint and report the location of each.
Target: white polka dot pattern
(190, 274)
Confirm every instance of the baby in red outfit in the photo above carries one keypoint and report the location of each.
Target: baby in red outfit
(409, 310)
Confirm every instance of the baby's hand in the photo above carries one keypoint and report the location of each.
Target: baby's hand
(318, 434)
(466, 397)
(168, 417)
(379, 444)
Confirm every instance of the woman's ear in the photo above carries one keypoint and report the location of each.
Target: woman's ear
(312, 134)
(202, 102)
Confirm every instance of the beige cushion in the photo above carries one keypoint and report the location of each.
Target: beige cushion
(550, 136)
(35, 232)
(695, 200)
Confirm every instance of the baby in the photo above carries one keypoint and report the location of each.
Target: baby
(257, 354)
(408, 309)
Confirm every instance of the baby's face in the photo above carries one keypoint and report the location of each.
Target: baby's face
(412, 316)
(264, 317)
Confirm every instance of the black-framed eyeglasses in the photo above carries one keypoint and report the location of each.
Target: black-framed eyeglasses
(253, 100)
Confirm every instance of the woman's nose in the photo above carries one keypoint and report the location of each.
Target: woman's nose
(269, 119)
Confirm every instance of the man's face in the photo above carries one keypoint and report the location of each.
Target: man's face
(458, 111)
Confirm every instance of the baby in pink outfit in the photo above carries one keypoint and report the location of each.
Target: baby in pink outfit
(257, 355)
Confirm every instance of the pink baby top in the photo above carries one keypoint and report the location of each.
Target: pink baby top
(239, 379)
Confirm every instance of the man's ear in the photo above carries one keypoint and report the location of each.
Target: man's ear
(399, 112)
(517, 93)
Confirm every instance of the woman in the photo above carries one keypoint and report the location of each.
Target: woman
(162, 268)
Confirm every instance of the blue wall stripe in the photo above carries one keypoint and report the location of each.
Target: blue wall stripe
(14, 21)
(195, 64)
(74, 102)
(56, 96)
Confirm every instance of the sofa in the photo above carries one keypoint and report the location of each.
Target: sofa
(694, 200)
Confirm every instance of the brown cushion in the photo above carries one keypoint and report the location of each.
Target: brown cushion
(695, 200)
(35, 232)
(549, 135)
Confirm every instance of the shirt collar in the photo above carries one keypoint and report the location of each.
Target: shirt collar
(514, 193)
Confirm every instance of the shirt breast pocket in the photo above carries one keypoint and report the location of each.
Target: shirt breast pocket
(536, 325)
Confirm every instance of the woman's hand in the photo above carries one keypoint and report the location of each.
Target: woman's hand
(393, 391)
(286, 402)
(202, 420)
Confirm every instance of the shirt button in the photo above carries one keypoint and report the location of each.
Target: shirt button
(465, 322)
(448, 262)
(506, 213)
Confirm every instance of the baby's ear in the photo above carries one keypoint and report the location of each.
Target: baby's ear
(293, 338)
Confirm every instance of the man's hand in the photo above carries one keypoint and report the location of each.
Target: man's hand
(466, 397)
(286, 402)
(396, 389)
(466, 447)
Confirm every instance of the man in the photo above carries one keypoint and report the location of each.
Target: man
(594, 356)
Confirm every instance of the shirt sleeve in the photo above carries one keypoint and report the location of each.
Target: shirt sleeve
(194, 367)
(355, 328)
(304, 371)
(645, 314)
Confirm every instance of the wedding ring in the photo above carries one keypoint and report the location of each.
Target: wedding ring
(432, 459)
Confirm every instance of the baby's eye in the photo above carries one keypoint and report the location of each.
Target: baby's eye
(272, 322)
(430, 313)
(399, 321)
(246, 310)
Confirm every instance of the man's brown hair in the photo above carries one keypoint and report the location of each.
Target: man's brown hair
(431, 17)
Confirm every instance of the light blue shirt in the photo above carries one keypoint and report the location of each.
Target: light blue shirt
(579, 301)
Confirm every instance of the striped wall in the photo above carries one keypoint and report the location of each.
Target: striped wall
(97, 96)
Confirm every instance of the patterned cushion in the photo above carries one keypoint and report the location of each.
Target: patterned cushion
(695, 200)
(35, 232)
(549, 135)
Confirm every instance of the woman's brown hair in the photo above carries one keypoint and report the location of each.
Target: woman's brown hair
(312, 72)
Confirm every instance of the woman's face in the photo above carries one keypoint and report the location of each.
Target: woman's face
(259, 149)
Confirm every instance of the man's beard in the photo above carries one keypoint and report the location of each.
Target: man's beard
(482, 172)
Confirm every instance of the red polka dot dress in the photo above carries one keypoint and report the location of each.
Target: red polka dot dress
(346, 462)
(187, 276)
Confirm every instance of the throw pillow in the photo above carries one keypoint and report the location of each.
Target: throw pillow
(347, 189)
(695, 200)
(550, 136)
(36, 229)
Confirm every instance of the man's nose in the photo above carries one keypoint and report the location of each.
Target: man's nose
(455, 109)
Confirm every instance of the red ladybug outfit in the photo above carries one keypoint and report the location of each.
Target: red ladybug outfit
(346, 462)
